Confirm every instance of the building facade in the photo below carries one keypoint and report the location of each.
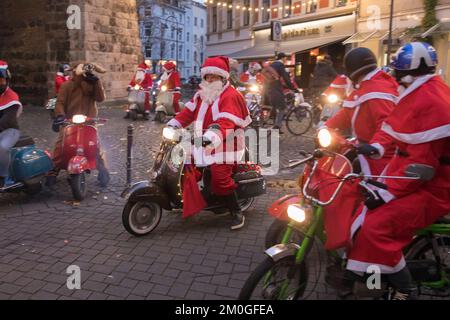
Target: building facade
(308, 30)
(168, 30)
(408, 24)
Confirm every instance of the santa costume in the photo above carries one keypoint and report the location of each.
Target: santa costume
(171, 79)
(341, 86)
(215, 120)
(364, 111)
(143, 78)
(248, 78)
(419, 127)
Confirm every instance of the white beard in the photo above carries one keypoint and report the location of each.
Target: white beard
(165, 76)
(209, 92)
(140, 75)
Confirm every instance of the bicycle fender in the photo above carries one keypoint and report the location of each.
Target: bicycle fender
(280, 251)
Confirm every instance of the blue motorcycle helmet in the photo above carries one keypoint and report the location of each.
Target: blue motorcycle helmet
(413, 60)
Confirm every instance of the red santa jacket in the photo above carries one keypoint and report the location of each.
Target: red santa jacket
(8, 99)
(60, 78)
(341, 86)
(420, 128)
(146, 84)
(364, 112)
(246, 77)
(229, 112)
(173, 82)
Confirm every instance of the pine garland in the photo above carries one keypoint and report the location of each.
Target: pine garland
(429, 19)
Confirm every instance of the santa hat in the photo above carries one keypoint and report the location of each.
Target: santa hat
(3, 64)
(142, 66)
(219, 66)
(169, 65)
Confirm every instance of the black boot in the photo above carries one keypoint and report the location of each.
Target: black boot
(147, 116)
(237, 218)
(403, 285)
(2, 181)
(127, 115)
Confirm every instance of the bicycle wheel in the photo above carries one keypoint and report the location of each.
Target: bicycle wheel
(299, 120)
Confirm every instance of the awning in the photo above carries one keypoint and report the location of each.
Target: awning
(361, 37)
(288, 47)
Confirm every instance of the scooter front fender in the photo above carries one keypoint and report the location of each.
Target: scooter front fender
(280, 251)
(147, 191)
(77, 165)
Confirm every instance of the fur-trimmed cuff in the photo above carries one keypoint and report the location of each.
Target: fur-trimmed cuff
(380, 149)
(385, 195)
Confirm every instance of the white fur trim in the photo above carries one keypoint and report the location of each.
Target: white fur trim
(214, 70)
(371, 74)
(369, 96)
(174, 123)
(358, 222)
(365, 168)
(418, 137)
(190, 105)
(380, 149)
(9, 104)
(360, 266)
(385, 195)
(339, 86)
(4, 67)
(415, 85)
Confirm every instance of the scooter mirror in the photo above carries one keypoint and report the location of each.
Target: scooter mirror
(422, 172)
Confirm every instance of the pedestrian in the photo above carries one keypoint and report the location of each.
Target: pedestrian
(79, 95)
(323, 75)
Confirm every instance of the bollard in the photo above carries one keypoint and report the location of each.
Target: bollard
(130, 132)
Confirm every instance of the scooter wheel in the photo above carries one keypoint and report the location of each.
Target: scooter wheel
(142, 217)
(33, 189)
(78, 186)
(161, 116)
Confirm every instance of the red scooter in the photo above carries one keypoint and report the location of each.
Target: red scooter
(79, 154)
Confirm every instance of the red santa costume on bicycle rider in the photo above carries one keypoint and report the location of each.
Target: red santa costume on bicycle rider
(364, 111)
(171, 79)
(341, 86)
(248, 78)
(143, 78)
(216, 106)
(420, 128)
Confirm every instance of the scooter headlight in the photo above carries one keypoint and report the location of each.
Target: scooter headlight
(332, 98)
(296, 213)
(324, 137)
(254, 88)
(170, 133)
(79, 118)
(137, 87)
(163, 88)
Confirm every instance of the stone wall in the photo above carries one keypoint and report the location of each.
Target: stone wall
(34, 39)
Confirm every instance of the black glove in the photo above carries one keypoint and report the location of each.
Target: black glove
(373, 200)
(57, 123)
(128, 89)
(90, 77)
(367, 149)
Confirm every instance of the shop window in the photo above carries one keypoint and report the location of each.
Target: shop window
(265, 13)
(229, 15)
(214, 19)
(287, 10)
(255, 13)
(246, 13)
(311, 6)
(297, 7)
(324, 4)
(341, 3)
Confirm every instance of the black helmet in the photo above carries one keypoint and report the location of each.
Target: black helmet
(281, 55)
(358, 62)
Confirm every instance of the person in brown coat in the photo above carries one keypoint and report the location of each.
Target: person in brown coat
(79, 95)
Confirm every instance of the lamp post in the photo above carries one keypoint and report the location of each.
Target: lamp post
(391, 18)
(177, 29)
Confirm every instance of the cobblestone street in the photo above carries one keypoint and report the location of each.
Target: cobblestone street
(199, 258)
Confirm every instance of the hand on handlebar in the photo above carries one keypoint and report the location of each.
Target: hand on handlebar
(58, 122)
(373, 200)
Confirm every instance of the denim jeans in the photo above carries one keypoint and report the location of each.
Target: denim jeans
(8, 138)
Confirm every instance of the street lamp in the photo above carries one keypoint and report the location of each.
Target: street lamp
(177, 29)
(391, 18)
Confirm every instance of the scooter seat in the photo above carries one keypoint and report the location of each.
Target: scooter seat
(24, 141)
